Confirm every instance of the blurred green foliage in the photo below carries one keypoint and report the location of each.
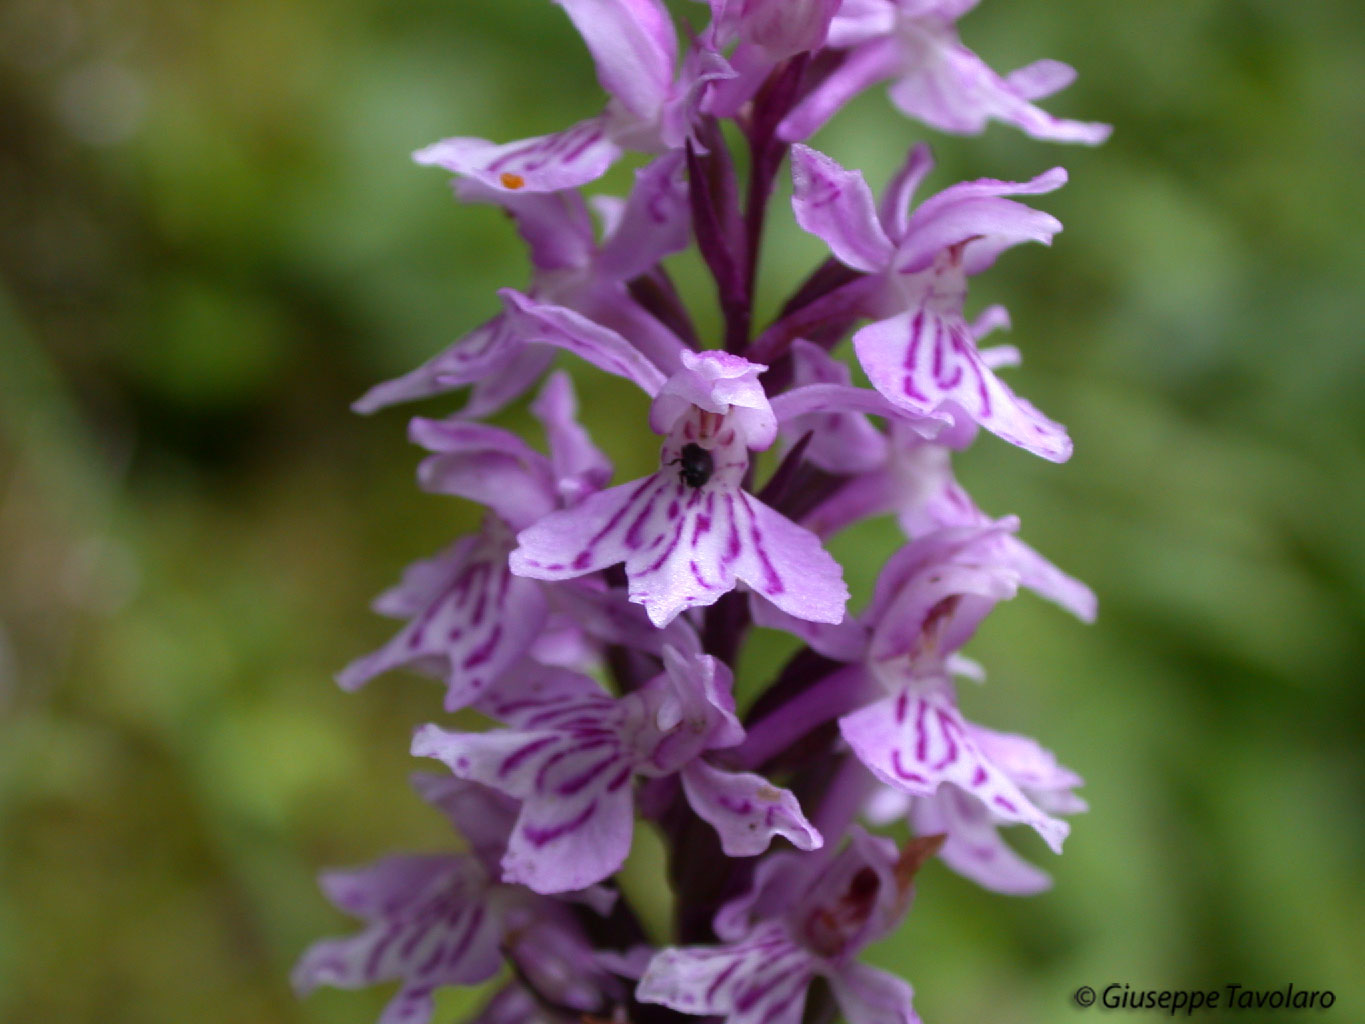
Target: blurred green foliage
(211, 240)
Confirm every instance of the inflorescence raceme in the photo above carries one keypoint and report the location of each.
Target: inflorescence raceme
(652, 585)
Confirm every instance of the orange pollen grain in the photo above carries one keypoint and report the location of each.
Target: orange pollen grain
(510, 180)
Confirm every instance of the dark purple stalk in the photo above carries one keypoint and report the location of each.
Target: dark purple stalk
(824, 278)
(630, 669)
(809, 488)
(842, 304)
(837, 693)
(803, 669)
(719, 229)
(779, 484)
(656, 292)
(848, 789)
(725, 625)
(766, 153)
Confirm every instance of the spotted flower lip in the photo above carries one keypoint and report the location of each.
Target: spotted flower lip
(915, 45)
(687, 538)
(571, 752)
(919, 351)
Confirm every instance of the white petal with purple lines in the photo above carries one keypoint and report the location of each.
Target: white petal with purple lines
(926, 362)
(470, 619)
(916, 740)
(746, 810)
(760, 980)
(574, 781)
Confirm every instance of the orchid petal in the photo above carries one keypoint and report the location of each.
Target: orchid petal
(925, 362)
(579, 466)
(481, 815)
(761, 979)
(554, 225)
(992, 318)
(684, 547)
(1040, 79)
(485, 464)
(548, 163)
(1025, 760)
(950, 88)
(512, 1004)
(722, 383)
(973, 847)
(751, 66)
(746, 810)
(536, 694)
(949, 597)
(703, 70)
(470, 620)
(864, 496)
(1045, 579)
(842, 441)
(866, 65)
(911, 582)
(634, 47)
(900, 193)
(844, 641)
(655, 221)
(836, 205)
(433, 928)
(577, 810)
(507, 383)
(563, 328)
(867, 995)
(786, 564)
(484, 350)
(608, 616)
(917, 741)
(974, 215)
(700, 692)
(783, 27)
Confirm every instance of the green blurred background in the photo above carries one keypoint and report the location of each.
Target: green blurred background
(211, 240)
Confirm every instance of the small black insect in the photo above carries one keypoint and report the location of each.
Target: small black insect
(697, 465)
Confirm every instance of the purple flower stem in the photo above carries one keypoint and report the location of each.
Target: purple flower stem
(701, 876)
(656, 292)
(822, 280)
(629, 669)
(724, 626)
(842, 799)
(766, 153)
(841, 303)
(808, 489)
(803, 669)
(719, 230)
(779, 484)
(838, 693)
